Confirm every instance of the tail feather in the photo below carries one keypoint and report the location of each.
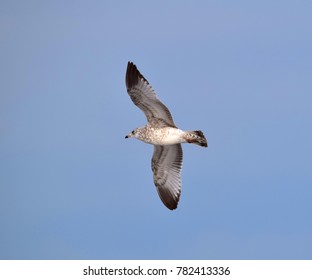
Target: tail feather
(196, 137)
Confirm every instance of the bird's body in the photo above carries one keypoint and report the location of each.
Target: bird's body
(166, 135)
(159, 136)
(161, 132)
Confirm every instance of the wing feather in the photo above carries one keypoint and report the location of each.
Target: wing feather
(167, 166)
(143, 96)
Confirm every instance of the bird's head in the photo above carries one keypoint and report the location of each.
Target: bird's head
(133, 133)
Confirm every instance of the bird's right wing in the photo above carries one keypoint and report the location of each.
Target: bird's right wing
(166, 166)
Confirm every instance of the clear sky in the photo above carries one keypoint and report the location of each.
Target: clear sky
(73, 188)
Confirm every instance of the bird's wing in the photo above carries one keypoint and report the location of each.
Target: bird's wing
(167, 166)
(143, 96)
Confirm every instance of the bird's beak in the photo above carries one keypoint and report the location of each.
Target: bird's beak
(128, 136)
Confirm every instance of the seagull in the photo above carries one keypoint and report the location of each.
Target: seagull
(161, 132)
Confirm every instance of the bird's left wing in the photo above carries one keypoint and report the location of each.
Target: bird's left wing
(143, 96)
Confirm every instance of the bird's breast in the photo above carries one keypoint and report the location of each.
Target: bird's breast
(163, 136)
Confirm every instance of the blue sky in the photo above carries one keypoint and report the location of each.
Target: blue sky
(73, 188)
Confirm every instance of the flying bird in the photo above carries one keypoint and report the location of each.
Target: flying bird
(161, 132)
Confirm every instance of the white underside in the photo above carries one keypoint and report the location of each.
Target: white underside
(166, 136)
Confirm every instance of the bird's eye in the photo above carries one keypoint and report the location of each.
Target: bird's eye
(132, 132)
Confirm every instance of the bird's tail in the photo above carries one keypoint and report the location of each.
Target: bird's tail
(196, 137)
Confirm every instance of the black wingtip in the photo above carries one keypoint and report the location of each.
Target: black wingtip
(171, 206)
(133, 75)
(170, 201)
